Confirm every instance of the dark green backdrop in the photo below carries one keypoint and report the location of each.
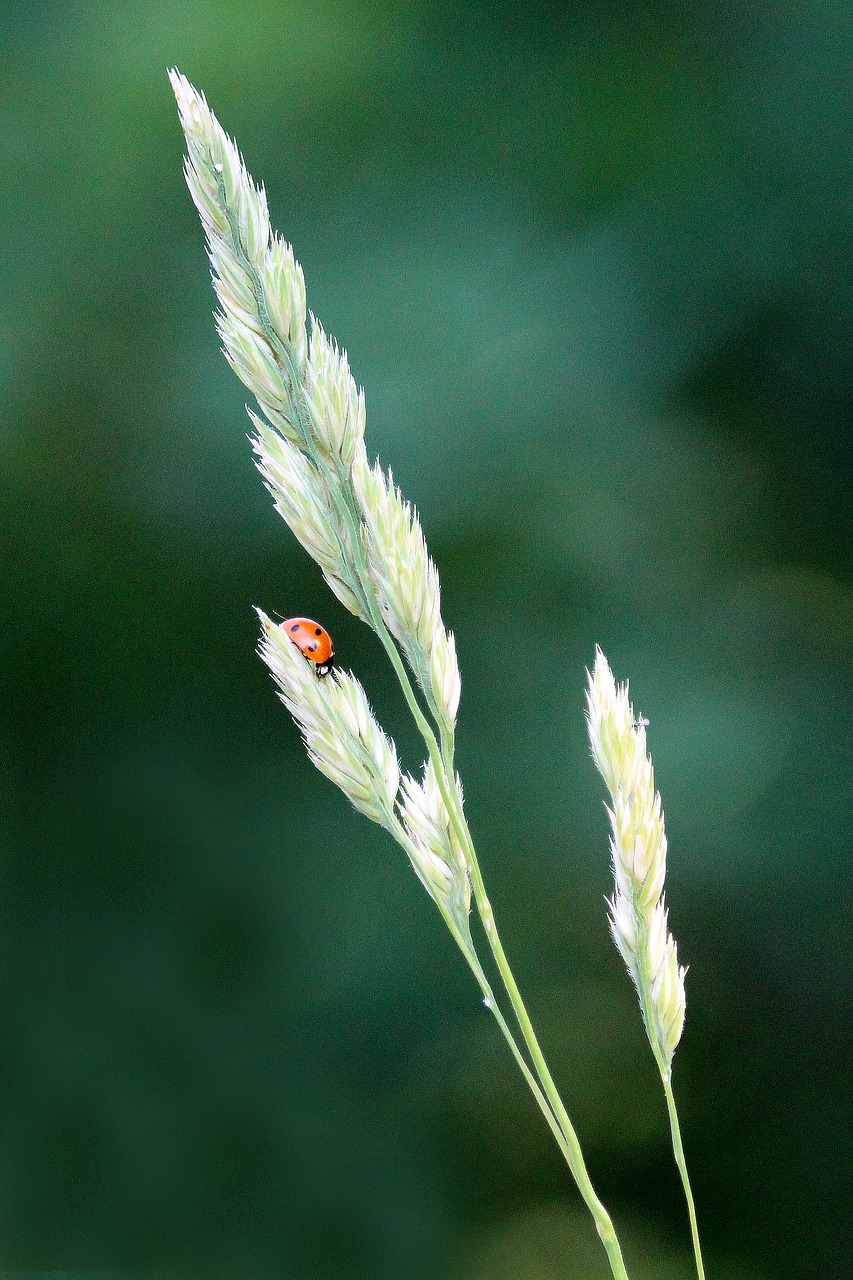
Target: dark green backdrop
(592, 264)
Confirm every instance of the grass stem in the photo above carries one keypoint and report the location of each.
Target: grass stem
(678, 1151)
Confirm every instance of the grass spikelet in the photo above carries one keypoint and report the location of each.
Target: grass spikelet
(335, 405)
(340, 731)
(438, 851)
(407, 586)
(302, 500)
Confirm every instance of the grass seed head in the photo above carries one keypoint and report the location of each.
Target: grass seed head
(335, 404)
(437, 854)
(638, 848)
(338, 727)
(444, 674)
(406, 583)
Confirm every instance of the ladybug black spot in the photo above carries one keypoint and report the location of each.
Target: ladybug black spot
(318, 631)
(312, 647)
(295, 627)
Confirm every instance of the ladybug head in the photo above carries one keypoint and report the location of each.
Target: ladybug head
(323, 668)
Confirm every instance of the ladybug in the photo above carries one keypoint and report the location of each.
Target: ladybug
(313, 640)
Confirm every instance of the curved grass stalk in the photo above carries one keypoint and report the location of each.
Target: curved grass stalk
(678, 1151)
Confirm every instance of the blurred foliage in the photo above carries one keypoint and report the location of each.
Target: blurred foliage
(592, 263)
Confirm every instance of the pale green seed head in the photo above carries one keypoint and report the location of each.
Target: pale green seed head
(340, 731)
(638, 849)
(298, 494)
(436, 853)
(312, 436)
(406, 582)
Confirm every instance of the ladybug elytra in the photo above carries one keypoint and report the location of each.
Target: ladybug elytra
(312, 640)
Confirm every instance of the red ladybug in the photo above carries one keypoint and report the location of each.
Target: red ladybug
(314, 641)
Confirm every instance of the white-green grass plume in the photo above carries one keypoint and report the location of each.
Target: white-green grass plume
(638, 916)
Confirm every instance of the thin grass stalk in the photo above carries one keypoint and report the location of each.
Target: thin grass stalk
(469, 952)
(681, 1162)
(570, 1144)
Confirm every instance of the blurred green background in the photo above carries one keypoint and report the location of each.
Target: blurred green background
(592, 263)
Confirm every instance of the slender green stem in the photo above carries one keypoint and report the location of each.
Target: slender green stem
(574, 1156)
(678, 1150)
(570, 1146)
(466, 947)
(664, 1065)
(550, 1102)
(542, 1101)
